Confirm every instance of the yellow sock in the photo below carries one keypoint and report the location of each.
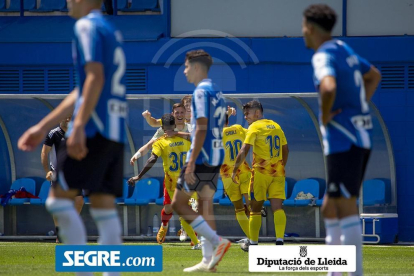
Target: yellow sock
(189, 230)
(243, 221)
(279, 218)
(255, 222)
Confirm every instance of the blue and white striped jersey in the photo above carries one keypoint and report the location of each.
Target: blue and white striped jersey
(96, 40)
(353, 126)
(208, 103)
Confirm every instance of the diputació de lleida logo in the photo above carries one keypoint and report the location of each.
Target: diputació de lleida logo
(303, 251)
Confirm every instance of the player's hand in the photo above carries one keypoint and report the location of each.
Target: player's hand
(76, 144)
(231, 111)
(326, 118)
(234, 177)
(49, 175)
(171, 133)
(31, 138)
(134, 158)
(189, 175)
(132, 180)
(146, 114)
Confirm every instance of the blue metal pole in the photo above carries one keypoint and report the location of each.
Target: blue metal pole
(21, 8)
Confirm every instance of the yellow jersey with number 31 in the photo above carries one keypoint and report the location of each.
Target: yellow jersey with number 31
(173, 151)
(267, 139)
(233, 137)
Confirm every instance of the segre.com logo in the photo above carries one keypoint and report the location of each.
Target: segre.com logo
(109, 258)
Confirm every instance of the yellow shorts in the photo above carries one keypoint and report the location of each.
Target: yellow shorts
(262, 185)
(235, 191)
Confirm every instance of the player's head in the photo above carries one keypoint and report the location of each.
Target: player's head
(178, 111)
(186, 101)
(168, 122)
(253, 111)
(197, 64)
(64, 123)
(318, 21)
(80, 8)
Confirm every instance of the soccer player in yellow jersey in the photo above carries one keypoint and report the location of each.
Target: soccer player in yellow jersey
(270, 154)
(233, 137)
(173, 151)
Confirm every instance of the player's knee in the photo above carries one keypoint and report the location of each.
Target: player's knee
(168, 209)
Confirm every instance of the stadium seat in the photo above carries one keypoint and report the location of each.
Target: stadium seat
(125, 192)
(51, 5)
(374, 192)
(306, 186)
(146, 191)
(30, 186)
(220, 192)
(15, 5)
(143, 5)
(44, 192)
(159, 201)
(225, 201)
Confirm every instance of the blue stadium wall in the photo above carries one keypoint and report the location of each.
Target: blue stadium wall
(36, 61)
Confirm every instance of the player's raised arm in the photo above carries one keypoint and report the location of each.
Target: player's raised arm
(37, 133)
(151, 120)
(142, 151)
(150, 162)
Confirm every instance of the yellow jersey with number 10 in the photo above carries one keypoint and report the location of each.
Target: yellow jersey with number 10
(173, 152)
(267, 139)
(233, 137)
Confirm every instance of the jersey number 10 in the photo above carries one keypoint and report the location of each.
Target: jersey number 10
(234, 148)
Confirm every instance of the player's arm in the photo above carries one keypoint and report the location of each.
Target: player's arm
(371, 81)
(37, 133)
(327, 89)
(184, 135)
(150, 162)
(45, 161)
(285, 154)
(243, 152)
(151, 120)
(142, 151)
(92, 88)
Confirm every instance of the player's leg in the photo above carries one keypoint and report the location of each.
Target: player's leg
(276, 192)
(233, 192)
(166, 214)
(191, 233)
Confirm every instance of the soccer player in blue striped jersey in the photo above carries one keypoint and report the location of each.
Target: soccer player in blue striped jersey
(92, 157)
(346, 82)
(202, 168)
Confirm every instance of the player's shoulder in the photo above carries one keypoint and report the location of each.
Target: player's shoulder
(54, 132)
(160, 140)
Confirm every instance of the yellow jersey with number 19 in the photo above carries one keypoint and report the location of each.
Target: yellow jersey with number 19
(233, 137)
(267, 139)
(173, 151)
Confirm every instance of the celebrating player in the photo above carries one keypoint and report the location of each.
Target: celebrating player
(270, 155)
(173, 151)
(346, 82)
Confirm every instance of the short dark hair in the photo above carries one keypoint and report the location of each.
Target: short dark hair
(253, 105)
(227, 118)
(177, 105)
(199, 56)
(186, 99)
(322, 15)
(167, 120)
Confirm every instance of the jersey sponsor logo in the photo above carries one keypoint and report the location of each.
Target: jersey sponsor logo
(231, 132)
(217, 144)
(362, 121)
(270, 127)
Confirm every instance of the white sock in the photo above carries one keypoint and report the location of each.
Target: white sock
(201, 226)
(206, 249)
(333, 231)
(71, 229)
(109, 228)
(352, 235)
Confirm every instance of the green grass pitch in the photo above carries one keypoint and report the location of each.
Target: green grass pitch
(37, 258)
